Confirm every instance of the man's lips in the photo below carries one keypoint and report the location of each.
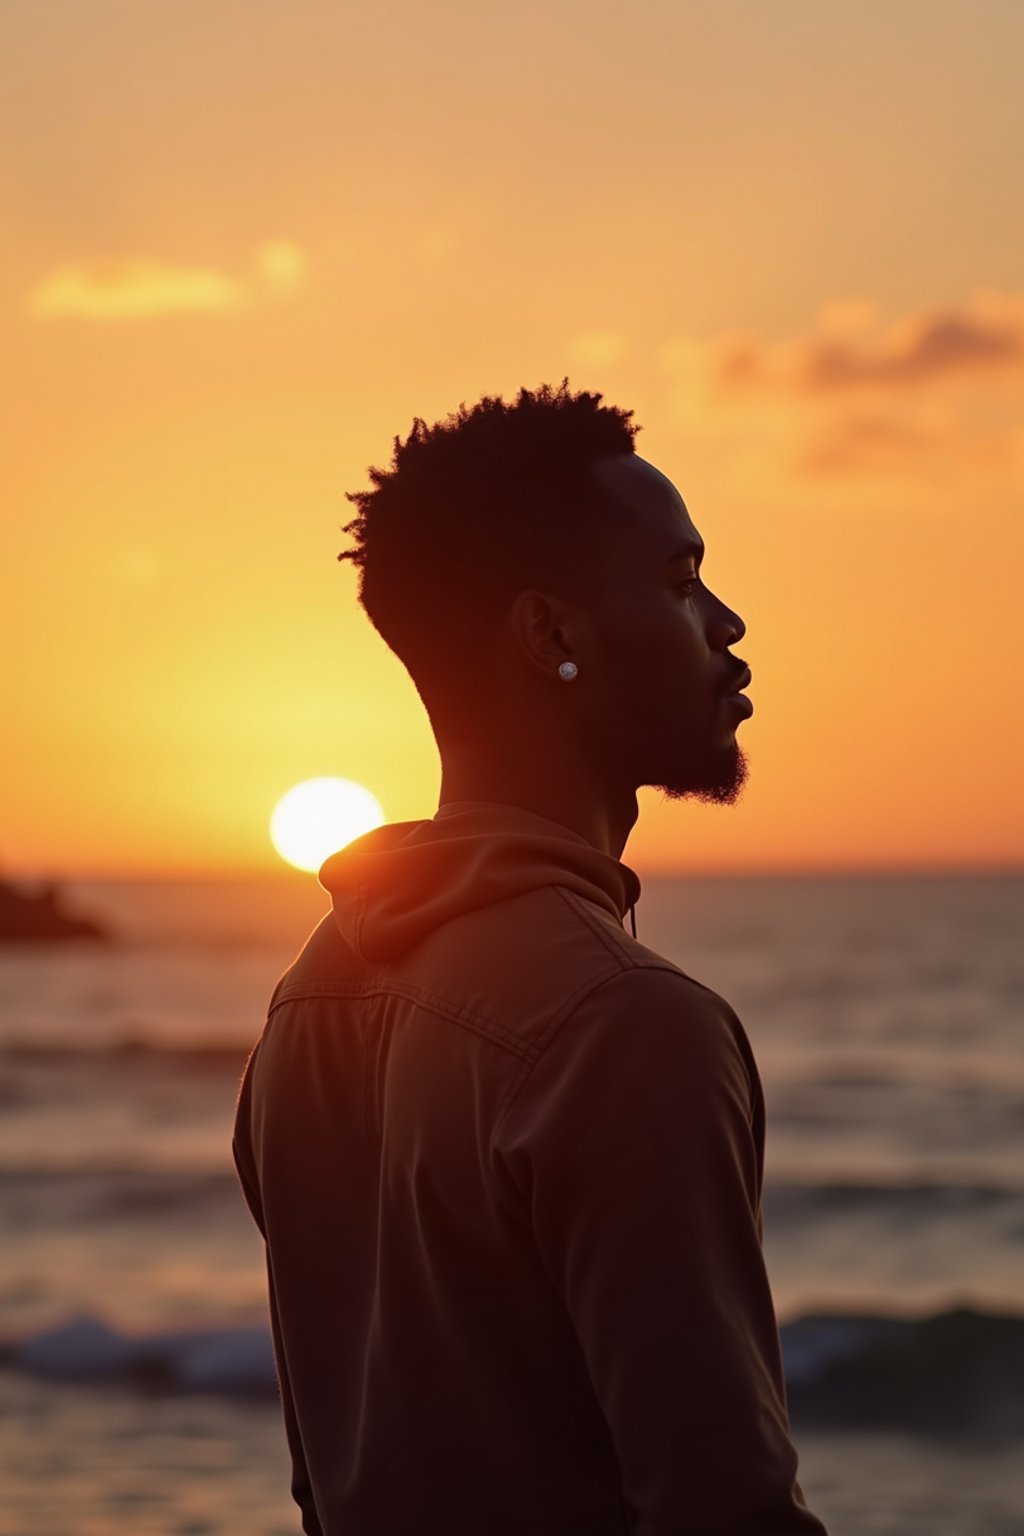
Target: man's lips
(741, 680)
(737, 699)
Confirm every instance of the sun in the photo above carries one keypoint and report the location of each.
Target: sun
(319, 816)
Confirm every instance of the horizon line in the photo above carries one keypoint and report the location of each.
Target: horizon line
(238, 874)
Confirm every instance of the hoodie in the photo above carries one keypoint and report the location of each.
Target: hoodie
(507, 1163)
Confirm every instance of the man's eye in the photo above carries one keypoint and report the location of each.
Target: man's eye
(688, 585)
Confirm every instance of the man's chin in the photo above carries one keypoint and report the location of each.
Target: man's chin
(717, 780)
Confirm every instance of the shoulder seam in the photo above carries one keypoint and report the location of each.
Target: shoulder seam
(323, 991)
(560, 1019)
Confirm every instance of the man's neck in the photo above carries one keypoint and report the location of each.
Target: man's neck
(581, 807)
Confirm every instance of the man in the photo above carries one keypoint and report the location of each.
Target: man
(507, 1160)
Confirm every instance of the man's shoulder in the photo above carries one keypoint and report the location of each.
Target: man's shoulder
(534, 960)
(323, 962)
(649, 1054)
(652, 1020)
(522, 968)
(652, 997)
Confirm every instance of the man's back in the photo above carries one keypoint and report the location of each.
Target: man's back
(508, 1165)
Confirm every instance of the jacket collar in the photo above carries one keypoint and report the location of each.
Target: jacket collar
(393, 886)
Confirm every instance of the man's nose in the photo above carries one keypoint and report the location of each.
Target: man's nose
(724, 624)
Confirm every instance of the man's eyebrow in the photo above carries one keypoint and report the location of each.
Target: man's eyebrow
(692, 548)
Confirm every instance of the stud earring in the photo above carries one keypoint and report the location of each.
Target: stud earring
(567, 671)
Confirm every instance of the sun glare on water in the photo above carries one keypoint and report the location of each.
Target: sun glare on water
(319, 816)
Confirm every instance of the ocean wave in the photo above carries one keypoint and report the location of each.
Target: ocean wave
(79, 1195)
(236, 1362)
(79, 1192)
(916, 1199)
(959, 1372)
(127, 1049)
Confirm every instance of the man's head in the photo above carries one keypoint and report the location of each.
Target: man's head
(511, 538)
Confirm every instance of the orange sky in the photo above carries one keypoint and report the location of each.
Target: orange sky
(246, 243)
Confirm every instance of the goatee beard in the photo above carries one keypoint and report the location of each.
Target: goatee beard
(717, 780)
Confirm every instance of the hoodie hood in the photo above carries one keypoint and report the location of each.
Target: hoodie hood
(394, 885)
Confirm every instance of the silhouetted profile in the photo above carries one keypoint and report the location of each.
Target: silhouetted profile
(506, 1159)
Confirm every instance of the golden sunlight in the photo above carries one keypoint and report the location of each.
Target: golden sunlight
(319, 816)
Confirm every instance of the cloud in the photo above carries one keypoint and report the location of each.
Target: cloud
(846, 352)
(598, 349)
(932, 396)
(138, 288)
(933, 346)
(282, 265)
(876, 443)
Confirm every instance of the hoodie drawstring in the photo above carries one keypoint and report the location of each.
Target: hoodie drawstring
(632, 921)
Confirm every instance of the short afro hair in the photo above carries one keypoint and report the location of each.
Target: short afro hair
(472, 511)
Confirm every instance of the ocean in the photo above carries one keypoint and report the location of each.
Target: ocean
(136, 1378)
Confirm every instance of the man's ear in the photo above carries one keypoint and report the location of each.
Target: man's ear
(546, 630)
